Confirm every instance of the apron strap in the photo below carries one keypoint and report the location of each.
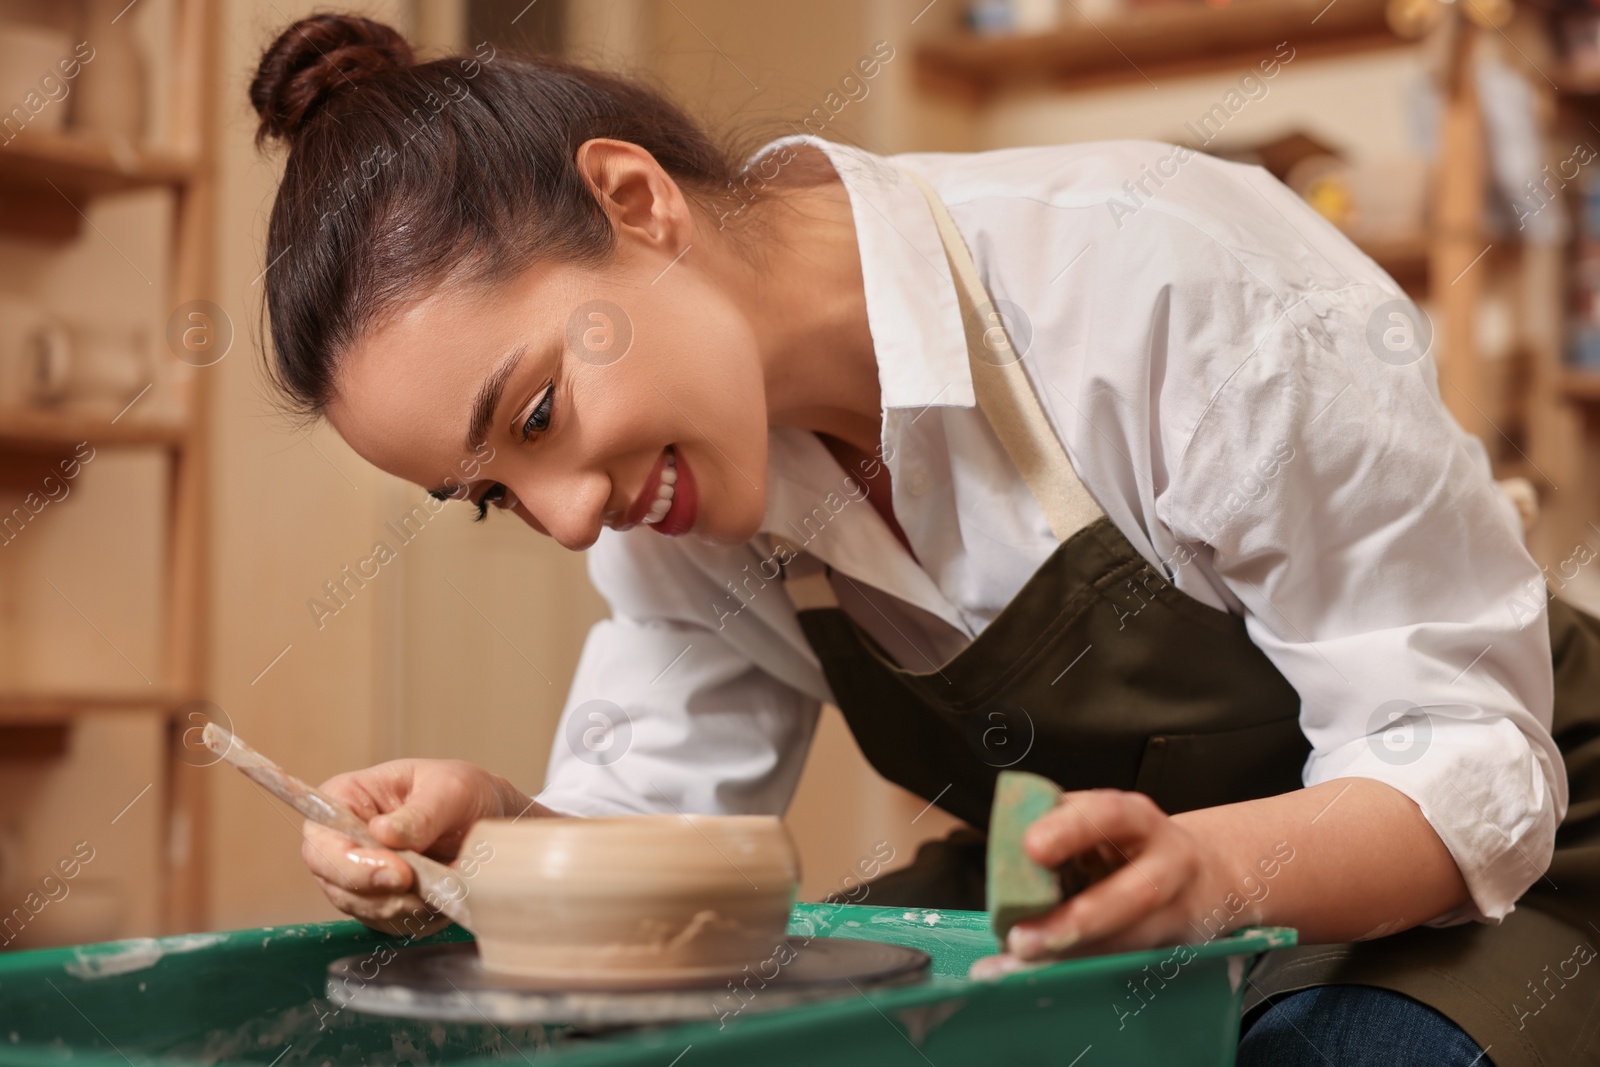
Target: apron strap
(805, 578)
(1004, 393)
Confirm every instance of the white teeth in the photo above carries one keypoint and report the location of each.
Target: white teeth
(664, 491)
(659, 509)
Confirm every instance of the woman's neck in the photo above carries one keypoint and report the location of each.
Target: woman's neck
(809, 310)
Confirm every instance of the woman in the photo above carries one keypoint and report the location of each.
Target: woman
(1102, 461)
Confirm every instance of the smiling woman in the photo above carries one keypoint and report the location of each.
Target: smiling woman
(536, 303)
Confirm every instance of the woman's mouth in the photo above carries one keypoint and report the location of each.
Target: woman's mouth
(668, 501)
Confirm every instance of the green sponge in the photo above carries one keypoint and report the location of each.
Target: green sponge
(1018, 888)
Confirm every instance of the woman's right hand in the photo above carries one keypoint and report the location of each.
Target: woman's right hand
(424, 805)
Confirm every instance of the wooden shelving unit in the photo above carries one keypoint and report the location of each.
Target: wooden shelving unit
(46, 181)
(1153, 42)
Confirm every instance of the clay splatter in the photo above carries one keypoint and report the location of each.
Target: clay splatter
(124, 957)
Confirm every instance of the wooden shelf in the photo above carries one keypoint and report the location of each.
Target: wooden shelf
(1405, 259)
(1573, 81)
(46, 178)
(88, 166)
(33, 741)
(1582, 386)
(18, 709)
(1156, 41)
(28, 431)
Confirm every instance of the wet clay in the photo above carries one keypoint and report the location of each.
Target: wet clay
(633, 901)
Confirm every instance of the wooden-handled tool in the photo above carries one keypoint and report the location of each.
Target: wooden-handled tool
(438, 885)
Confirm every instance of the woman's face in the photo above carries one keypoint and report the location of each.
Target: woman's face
(598, 392)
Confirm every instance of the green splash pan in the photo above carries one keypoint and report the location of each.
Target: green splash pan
(259, 997)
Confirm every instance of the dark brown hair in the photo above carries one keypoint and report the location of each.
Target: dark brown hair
(401, 175)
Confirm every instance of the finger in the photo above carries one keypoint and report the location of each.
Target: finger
(990, 968)
(1166, 927)
(397, 802)
(336, 859)
(1132, 893)
(435, 815)
(406, 929)
(1085, 820)
(366, 792)
(402, 914)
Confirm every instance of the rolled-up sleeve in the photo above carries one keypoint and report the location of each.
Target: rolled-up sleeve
(667, 712)
(1339, 503)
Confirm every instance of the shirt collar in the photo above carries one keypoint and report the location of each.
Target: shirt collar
(821, 509)
(911, 298)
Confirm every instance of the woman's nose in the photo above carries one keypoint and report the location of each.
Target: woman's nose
(569, 511)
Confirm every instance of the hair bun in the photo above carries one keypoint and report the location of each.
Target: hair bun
(314, 60)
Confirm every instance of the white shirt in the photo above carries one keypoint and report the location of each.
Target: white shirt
(1202, 352)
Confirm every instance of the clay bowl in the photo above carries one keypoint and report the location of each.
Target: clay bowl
(636, 901)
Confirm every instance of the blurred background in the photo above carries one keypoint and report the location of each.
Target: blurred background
(166, 534)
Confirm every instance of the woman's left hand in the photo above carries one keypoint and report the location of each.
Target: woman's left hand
(1162, 881)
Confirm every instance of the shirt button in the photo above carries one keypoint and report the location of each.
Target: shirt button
(919, 482)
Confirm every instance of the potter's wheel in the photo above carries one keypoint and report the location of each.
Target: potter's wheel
(448, 982)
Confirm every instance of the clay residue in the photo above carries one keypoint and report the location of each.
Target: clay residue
(661, 937)
(705, 925)
(125, 957)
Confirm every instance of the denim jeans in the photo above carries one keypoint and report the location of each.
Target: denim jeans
(1355, 1026)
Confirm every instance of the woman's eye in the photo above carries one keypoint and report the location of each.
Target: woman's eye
(496, 495)
(539, 417)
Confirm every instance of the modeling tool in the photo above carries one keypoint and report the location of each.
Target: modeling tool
(438, 885)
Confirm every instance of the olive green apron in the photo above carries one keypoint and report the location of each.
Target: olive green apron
(1100, 673)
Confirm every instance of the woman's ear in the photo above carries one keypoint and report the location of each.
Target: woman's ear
(639, 197)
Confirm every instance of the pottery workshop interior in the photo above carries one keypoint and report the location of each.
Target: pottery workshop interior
(1122, 576)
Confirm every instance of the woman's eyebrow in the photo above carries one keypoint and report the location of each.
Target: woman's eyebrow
(488, 398)
(483, 408)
